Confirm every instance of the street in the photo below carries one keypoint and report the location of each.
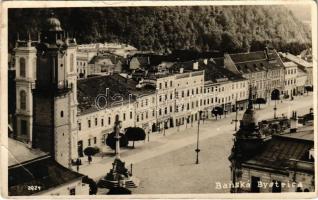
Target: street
(166, 164)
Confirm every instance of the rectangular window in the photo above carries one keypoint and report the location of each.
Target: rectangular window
(109, 120)
(23, 127)
(131, 115)
(124, 116)
(79, 126)
(102, 122)
(96, 122)
(95, 140)
(89, 123)
(72, 191)
(89, 142)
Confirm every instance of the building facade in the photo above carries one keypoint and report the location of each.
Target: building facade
(263, 69)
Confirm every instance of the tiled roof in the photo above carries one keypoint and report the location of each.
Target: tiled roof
(43, 172)
(278, 152)
(256, 61)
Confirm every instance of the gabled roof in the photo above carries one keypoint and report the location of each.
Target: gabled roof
(44, 172)
(256, 61)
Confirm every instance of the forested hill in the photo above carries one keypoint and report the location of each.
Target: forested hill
(225, 28)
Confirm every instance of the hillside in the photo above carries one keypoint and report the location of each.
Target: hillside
(224, 28)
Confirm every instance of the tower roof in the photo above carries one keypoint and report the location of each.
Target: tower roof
(250, 116)
(53, 24)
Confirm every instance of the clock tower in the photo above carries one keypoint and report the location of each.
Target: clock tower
(55, 102)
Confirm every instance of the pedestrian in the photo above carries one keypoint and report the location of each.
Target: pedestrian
(89, 159)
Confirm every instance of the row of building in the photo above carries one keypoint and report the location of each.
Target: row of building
(85, 97)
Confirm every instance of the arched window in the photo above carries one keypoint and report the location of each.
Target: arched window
(71, 62)
(22, 100)
(22, 67)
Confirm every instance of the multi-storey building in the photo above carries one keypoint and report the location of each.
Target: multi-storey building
(302, 64)
(223, 88)
(291, 71)
(25, 75)
(263, 69)
(178, 96)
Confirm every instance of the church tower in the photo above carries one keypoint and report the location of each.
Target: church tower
(55, 94)
(248, 140)
(25, 69)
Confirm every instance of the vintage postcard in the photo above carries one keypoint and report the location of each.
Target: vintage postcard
(159, 99)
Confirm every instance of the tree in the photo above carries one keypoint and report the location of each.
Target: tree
(217, 111)
(135, 134)
(90, 151)
(260, 101)
(111, 140)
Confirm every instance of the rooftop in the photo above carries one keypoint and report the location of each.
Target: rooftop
(278, 152)
(256, 61)
(19, 152)
(215, 72)
(43, 172)
(120, 90)
(296, 60)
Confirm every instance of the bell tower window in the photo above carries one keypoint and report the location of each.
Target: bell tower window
(22, 67)
(22, 100)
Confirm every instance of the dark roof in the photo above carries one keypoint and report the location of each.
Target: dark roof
(43, 172)
(89, 89)
(119, 87)
(256, 61)
(216, 72)
(131, 84)
(278, 152)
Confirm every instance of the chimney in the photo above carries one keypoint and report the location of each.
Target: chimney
(181, 70)
(293, 122)
(205, 61)
(195, 66)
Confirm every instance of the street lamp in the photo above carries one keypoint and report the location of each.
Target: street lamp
(197, 150)
(164, 126)
(236, 112)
